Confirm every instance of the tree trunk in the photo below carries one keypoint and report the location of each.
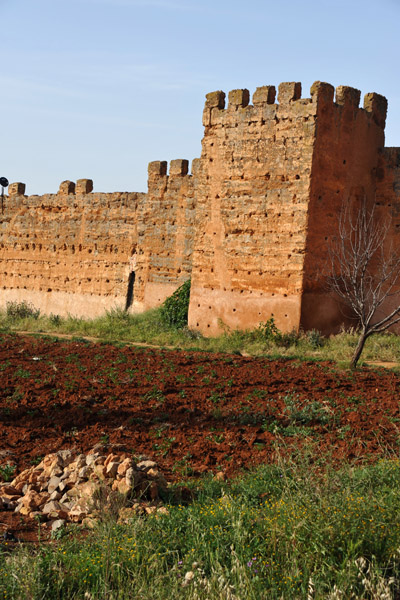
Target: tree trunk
(360, 346)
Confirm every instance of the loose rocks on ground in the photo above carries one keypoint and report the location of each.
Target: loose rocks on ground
(66, 487)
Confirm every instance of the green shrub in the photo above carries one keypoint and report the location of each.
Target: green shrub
(21, 310)
(55, 320)
(315, 339)
(7, 472)
(174, 311)
(269, 331)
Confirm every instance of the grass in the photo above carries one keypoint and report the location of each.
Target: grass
(285, 531)
(294, 530)
(150, 328)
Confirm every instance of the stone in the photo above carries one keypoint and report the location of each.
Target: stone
(131, 476)
(238, 98)
(21, 487)
(99, 471)
(162, 510)
(56, 495)
(53, 484)
(87, 489)
(124, 466)
(84, 472)
(111, 458)
(9, 489)
(57, 514)
(123, 487)
(89, 522)
(77, 514)
(23, 509)
(157, 168)
(51, 506)
(150, 510)
(6, 498)
(80, 461)
(349, 96)
(146, 464)
(57, 524)
(111, 469)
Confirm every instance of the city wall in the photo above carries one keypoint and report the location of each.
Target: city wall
(67, 253)
(250, 224)
(166, 221)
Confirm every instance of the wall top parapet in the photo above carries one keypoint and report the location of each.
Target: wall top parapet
(177, 168)
(289, 93)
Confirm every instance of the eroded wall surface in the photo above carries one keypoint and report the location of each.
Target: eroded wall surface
(165, 232)
(348, 146)
(252, 202)
(67, 252)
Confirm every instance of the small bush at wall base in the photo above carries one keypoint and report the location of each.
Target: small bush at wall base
(174, 311)
(269, 331)
(21, 310)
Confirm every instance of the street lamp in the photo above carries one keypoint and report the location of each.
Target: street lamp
(3, 183)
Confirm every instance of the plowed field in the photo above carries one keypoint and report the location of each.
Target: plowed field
(191, 412)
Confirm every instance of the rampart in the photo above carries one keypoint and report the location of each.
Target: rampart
(67, 252)
(250, 224)
(165, 231)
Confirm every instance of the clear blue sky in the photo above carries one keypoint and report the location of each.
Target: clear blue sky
(98, 88)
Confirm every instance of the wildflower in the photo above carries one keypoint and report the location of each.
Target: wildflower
(188, 578)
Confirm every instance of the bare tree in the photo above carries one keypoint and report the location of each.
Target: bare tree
(365, 271)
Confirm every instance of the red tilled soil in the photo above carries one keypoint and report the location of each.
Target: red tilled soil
(191, 412)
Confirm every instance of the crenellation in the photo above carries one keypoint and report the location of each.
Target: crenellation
(377, 106)
(289, 92)
(238, 99)
(215, 100)
(84, 186)
(67, 188)
(322, 93)
(16, 189)
(347, 96)
(264, 95)
(158, 168)
(178, 167)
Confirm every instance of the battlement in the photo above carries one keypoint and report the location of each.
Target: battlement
(177, 168)
(289, 98)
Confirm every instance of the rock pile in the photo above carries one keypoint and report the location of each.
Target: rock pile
(65, 487)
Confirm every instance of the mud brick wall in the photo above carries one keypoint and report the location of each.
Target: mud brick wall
(250, 225)
(67, 252)
(165, 231)
(347, 150)
(252, 203)
(388, 203)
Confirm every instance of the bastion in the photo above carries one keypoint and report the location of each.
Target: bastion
(249, 222)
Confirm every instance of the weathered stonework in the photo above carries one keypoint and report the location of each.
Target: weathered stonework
(250, 224)
(68, 253)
